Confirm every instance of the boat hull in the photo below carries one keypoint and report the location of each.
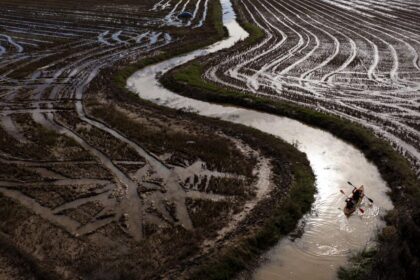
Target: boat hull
(349, 211)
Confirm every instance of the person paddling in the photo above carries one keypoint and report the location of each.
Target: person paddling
(353, 202)
(349, 203)
(358, 193)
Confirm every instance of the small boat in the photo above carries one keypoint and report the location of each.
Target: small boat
(350, 210)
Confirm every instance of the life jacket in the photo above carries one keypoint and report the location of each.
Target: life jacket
(350, 203)
(356, 195)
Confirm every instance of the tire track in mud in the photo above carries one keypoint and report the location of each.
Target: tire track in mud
(51, 78)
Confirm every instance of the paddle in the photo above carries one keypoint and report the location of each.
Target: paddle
(371, 200)
(361, 210)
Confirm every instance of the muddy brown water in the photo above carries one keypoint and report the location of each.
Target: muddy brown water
(328, 236)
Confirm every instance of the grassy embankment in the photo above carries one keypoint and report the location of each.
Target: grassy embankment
(284, 217)
(399, 250)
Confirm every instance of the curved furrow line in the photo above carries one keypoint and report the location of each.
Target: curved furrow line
(195, 12)
(234, 71)
(157, 5)
(169, 18)
(336, 21)
(376, 56)
(337, 90)
(377, 28)
(299, 48)
(102, 40)
(185, 6)
(204, 16)
(412, 49)
(253, 80)
(348, 61)
(345, 64)
(290, 51)
(300, 60)
(2, 50)
(328, 59)
(384, 18)
(18, 47)
(271, 64)
(375, 63)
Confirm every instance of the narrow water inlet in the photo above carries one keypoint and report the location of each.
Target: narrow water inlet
(328, 235)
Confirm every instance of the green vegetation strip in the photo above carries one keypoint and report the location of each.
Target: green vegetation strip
(398, 252)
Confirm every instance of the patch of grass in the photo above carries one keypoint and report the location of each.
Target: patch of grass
(256, 34)
(229, 187)
(361, 265)
(209, 216)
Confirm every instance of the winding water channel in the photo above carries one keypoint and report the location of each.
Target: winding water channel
(328, 235)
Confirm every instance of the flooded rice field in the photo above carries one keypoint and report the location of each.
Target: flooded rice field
(355, 59)
(96, 182)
